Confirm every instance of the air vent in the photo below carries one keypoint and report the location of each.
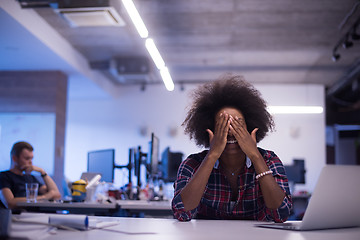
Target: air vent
(130, 69)
(91, 17)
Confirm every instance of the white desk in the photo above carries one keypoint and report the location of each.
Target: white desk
(169, 229)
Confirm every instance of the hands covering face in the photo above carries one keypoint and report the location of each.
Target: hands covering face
(246, 141)
(234, 125)
(218, 139)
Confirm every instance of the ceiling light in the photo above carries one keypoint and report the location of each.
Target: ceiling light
(149, 44)
(165, 75)
(335, 57)
(354, 35)
(347, 44)
(350, 34)
(136, 18)
(91, 17)
(295, 109)
(154, 53)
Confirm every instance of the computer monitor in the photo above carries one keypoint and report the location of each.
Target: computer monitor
(102, 161)
(170, 162)
(296, 172)
(153, 155)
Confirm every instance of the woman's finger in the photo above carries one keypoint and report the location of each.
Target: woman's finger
(253, 134)
(211, 134)
(238, 128)
(222, 126)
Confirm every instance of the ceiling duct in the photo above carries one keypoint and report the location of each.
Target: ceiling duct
(126, 70)
(130, 69)
(89, 13)
(35, 3)
(83, 3)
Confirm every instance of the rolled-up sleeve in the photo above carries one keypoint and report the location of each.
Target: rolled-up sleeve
(282, 213)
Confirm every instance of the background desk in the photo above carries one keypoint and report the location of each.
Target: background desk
(124, 208)
(171, 229)
(142, 208)
(105, 209)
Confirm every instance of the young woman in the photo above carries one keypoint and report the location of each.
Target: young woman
(233, 179)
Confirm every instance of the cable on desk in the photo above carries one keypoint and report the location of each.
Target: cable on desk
(123, 232)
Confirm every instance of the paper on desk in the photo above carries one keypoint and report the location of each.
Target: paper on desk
(97, 223)
(30, 231)
(31, 218)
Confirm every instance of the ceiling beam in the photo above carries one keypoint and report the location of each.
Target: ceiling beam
(37, 26)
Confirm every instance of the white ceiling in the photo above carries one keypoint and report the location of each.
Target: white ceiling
(279, 41)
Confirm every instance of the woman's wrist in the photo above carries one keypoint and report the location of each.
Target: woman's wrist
(212, 156)
(255, 157)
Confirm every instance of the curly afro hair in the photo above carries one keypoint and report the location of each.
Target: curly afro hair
(227, 91)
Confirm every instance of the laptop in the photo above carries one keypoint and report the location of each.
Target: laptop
(335, 202)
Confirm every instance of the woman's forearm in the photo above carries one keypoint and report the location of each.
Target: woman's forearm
(272, 192)
(192, 193)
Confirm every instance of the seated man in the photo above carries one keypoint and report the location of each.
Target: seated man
(12, 182)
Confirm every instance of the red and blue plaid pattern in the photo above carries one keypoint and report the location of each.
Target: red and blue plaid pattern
(216, 200)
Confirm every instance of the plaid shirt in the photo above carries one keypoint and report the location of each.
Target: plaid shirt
(216, 200)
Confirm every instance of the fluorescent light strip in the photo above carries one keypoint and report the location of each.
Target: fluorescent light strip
(149, 44)
(136, 18)
(154, 53)
(295, 109)
(169, 84)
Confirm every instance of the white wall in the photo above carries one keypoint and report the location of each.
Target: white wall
(116, 123)
(300, 136)
(36, 128)
(106, 123)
